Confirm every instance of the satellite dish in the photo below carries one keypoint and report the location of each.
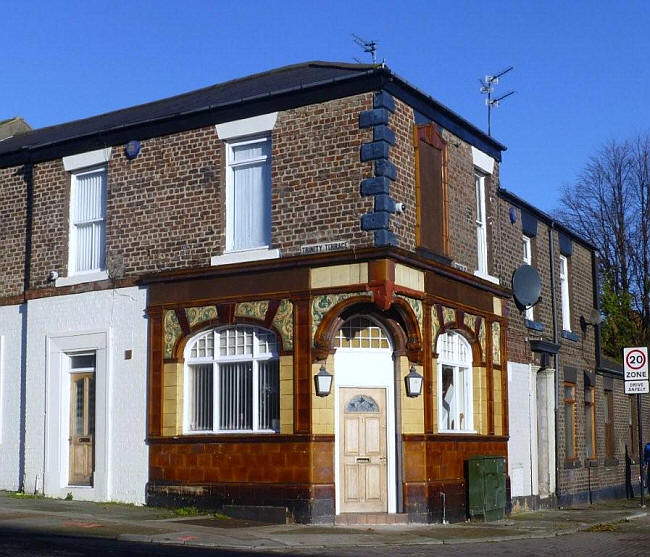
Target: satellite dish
(595, 318)
(526, 286)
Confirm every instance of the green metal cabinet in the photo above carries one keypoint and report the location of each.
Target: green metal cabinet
(486, 485)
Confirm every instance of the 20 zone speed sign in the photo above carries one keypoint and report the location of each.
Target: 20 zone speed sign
(635, 367)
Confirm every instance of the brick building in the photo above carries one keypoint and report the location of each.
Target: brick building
(578, 453)
(179, 275)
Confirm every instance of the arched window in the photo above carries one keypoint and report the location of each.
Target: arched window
(362, 333)
(232, 381)
(455, 396)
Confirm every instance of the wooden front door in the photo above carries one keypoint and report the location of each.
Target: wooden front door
(82, 428)
(362, 449)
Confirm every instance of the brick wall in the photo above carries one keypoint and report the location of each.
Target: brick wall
(402, 155)
(461, 191)
(575, 478)
(462, 202)
(13, 203)
(166, 208)
(316, 175)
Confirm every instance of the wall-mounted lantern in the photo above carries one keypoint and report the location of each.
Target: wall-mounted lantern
(413, 383)
(323, 382)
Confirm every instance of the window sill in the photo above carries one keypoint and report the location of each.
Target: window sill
(572, 464)
(457, 432)
(534, 325)
(81, 278)
(232, 432)
(570, 336)
(246, 255)
(611, 461)
(486, 276)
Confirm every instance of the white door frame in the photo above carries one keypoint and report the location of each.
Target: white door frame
(57, 430)
(369, 368)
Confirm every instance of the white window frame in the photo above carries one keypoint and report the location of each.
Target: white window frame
(230, 174)
(217, 359)
(72, 249)
(564, 288)
(481, 229)
(528, 260)
(458, 364)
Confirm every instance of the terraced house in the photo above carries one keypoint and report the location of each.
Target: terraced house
(281, 294)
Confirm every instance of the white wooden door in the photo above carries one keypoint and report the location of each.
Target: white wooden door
(362, 450)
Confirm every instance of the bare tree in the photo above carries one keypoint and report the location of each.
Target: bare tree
(609, 205)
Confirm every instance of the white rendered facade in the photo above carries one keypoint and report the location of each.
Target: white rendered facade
(11, 373)
(110, 324)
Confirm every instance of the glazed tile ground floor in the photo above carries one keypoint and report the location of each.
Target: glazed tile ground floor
(201, 389)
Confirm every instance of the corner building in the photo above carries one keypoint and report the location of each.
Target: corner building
(181, 273)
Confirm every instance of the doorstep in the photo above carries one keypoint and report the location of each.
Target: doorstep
(348, 519)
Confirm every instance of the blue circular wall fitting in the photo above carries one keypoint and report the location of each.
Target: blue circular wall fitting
(513, 215)
(132, 149)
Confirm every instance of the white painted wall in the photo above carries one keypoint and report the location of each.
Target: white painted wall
(10, 391)
(522, 446)
(109, 322)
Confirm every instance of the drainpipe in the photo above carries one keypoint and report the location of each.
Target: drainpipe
(595, 280)
(556, 358)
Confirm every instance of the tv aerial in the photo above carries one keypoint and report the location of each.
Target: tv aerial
(487, 88)
(369, 47)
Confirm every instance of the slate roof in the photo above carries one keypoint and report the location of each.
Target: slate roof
(278, 83)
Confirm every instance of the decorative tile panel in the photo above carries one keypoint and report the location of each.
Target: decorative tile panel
(320, 305)
(172, 331)
(496, 342)
(416, 306)
(200, 315)
(283, 322)
(481, 336)
(252, 310)
(448, 315)
(435, 327)
(470, 321)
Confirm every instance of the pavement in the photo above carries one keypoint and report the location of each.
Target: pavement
(45, 516)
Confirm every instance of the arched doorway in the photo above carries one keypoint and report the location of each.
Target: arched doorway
(364, 418)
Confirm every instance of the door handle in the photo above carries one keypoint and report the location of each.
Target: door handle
(382, 459)
(363, 460)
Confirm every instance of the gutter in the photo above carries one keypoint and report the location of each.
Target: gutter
(193, 112)
(595, 280)
(373, 79)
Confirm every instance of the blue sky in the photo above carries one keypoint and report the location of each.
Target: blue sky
(581, 68)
